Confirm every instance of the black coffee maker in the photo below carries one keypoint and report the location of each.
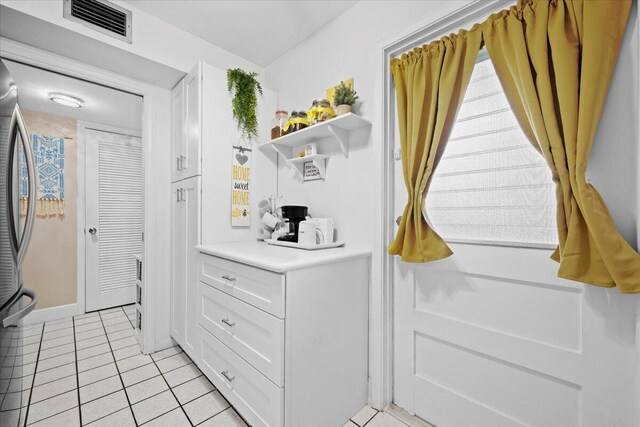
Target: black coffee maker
(292, 217)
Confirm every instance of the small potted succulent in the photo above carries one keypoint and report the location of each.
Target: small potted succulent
(344, 98)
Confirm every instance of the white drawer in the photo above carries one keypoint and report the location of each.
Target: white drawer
(260, 288)
(257, 399)
(257, 336)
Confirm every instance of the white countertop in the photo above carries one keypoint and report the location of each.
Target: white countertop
(280, 259)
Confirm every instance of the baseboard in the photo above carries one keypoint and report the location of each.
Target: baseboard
(50, 314)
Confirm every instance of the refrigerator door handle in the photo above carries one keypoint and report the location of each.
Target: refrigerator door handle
(20, 245)
(14, 318)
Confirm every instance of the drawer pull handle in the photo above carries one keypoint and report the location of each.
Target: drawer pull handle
(228, 322)
(226, 375)
(229, 278)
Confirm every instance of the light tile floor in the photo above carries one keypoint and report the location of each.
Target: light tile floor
(89, 371)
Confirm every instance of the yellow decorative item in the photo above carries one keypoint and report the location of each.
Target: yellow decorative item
(430, 83)
(296, 122)
(555, 60)
(320, 114)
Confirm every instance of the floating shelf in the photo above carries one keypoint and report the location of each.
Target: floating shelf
(319, 161)
(338, 128)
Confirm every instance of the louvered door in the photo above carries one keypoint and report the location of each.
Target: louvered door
(114, 218)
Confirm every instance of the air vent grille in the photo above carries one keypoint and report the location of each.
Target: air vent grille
(100, 15)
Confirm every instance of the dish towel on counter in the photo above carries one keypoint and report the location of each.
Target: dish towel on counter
(49, 159)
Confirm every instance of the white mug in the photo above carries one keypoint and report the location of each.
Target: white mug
(309, 234)
(270, 220)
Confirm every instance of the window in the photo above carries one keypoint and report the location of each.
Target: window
(491, 185)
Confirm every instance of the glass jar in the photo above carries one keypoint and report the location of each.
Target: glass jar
(320, 111)
(278, 124)
(297, 121)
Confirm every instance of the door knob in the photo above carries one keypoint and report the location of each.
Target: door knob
(93, 230)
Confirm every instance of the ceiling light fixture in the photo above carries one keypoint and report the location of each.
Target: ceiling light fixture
(66, 100)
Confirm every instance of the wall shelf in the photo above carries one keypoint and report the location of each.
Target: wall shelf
(319, 161)
(338, 128)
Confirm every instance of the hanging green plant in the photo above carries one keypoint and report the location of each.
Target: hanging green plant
(243, 86)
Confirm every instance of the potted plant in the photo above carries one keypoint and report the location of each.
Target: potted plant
(244, 86)
(344, 98)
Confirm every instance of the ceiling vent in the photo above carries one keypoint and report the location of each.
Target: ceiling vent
(100, 15)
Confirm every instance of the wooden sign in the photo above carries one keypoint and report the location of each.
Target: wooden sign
(241, 187)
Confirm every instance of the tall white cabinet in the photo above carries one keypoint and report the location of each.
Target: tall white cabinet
(203, 133)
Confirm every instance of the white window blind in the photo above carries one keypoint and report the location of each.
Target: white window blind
(491, 185)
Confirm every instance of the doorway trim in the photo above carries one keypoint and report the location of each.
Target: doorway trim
(154, 131)
(83, 126)
(442, 20)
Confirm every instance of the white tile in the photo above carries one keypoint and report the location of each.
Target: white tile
(205, 407)
(93, 351)
(55, 374)
(126, 333)
(31, 348)
(56, 342)
(32, 339)
(11, 418)
(364, 415)
(87, 320)
(54, 362)
(136, 375)
(173, 362)
(15, 400)
(95, 361)
(50, 327)
(70, 418)
(57, 351)
(103, 406)
(350, 424)
(154, 406)
(55, 405)
(112, 315)
(19, 384)
(89, 327)
(118, 327)
(97, 374)
(182, 375)
(80, 336)
(228, 418)
(123, 353)
(102, 339)
(109, 310)
(29, 358)
(122, 418)
(116, 320)
(175, 418)
(166, 353)
(100, 388)
(24, 370)
(125, 342)
(59, 333)
(385, 420)
(193, 389)
(53, 388)
(133, 362)
(146, 388)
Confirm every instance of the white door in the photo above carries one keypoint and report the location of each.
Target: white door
(191, 203)
(178, 264)
(114, 218)
(178, 141)
(192, 94)
(490, 336)
(185, 232)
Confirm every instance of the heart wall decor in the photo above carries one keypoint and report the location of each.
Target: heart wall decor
(241, 186)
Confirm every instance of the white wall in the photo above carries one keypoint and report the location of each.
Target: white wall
(153, 39)
(350, 46)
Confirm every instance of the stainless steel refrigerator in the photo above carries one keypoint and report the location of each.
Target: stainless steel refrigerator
(17, 186)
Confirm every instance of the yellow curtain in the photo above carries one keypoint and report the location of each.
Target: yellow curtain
(555, 59)
(430, 84)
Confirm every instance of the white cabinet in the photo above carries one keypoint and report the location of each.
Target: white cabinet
(185, 233)
(186, 108)
(285, 362)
